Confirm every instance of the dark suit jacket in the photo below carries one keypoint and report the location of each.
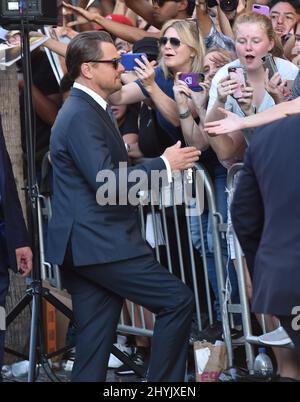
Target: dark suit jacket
(15, 228)
(266, 216)
(84, 141)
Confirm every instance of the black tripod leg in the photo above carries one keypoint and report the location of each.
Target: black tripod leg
(18, 308)
(58, 305)
(36, 306)
(126, 360)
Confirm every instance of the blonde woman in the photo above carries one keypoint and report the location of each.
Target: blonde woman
(254, 38)
(181, 50)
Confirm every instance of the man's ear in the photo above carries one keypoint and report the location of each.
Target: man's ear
(86, 71)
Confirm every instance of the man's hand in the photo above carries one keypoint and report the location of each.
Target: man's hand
(181, 158)
(24, 260)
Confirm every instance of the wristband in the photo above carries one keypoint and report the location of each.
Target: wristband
(185, 114)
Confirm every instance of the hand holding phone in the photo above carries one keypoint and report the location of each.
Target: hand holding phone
(238, 74)
(192, 80)
(269, 63)
(128, 60)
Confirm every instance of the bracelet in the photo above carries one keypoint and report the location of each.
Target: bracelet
(127, 146)
(185, 114)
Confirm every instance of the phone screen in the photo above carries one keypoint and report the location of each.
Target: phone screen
(238, 74)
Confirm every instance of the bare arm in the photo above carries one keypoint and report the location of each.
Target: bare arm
(233, 122)
(224, 23)
(204, 20)
(129, 93)
(56, 46)
(145, 10)
(129, 34)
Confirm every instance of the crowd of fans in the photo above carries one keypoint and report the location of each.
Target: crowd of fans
(223, 43)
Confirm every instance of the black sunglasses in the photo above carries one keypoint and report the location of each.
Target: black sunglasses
(161, 3)
(115, 62)
(174, 42)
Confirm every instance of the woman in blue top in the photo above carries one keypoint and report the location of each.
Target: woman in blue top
(181, 50)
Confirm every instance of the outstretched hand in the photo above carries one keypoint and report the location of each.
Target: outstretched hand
(87, 15)
(232, 122)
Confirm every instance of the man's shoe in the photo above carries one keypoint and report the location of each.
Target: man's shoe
(211, 333)
(277, 337)
(114, 362)
(139, 357)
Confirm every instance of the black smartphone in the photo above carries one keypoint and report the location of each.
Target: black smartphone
(269, 63)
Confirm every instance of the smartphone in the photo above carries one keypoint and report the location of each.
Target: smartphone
(258, 8)
(238, 74)
(128, 60)
(192, 80)
(269, 63)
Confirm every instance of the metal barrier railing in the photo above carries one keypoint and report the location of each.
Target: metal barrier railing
(171, 223)
(244, 303)
(186, 268)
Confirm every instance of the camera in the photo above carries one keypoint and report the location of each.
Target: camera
(35, 12)
(229, 5)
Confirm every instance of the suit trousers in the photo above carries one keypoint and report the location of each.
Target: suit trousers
(4, 284)
(98, 292)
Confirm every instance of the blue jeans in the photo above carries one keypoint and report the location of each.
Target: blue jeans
(219, 183)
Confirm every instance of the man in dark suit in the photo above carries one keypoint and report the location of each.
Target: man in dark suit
(14, 250)
(105, 258)
(266, 216)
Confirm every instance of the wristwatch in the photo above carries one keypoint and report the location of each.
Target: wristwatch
(185, 114)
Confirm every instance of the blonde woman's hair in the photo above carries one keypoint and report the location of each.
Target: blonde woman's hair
(266, 24)
(190, 35)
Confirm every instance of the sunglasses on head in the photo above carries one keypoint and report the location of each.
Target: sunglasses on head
(174, 42)
(115, 62)
(161, 3)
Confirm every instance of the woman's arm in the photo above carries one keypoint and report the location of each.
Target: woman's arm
(129, 93)
(193, 134)
(233, 122)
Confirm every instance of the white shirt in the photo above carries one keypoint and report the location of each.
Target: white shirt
(97, 98)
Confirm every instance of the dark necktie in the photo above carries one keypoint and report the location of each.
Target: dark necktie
(113, 119)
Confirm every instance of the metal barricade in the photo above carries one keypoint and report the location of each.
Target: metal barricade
(244, 303)
(160, 218)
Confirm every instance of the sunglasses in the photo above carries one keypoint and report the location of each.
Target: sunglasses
(115, 62)
(174, 42)
(161, 3)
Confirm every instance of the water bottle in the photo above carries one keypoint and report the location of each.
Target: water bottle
(263, 364)
(20, 368)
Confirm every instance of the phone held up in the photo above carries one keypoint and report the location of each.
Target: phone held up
(238, 74)
(258, 8)
(193, 80)
(128, 60)
(269, 63)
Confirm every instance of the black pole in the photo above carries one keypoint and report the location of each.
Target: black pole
(32, 195)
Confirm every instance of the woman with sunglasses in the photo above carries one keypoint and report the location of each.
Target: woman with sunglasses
(181, 50)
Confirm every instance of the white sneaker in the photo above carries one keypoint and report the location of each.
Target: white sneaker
(114, 362)
(276, 337)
